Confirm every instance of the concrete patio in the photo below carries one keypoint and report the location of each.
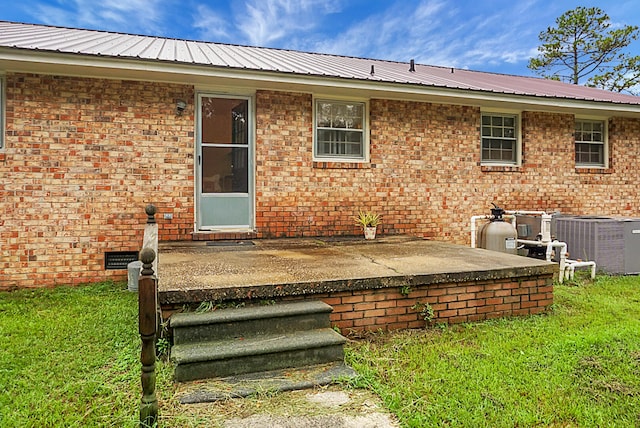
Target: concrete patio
(193, 272)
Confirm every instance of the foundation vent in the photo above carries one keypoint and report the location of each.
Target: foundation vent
(119, 259)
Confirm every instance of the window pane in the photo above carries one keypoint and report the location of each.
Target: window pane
(501, 146)
(592, 154)
(338, 116)
(590, 142)
(335, 143)
(339, 129)
(323, 115)
(225, 170)
(224, 121)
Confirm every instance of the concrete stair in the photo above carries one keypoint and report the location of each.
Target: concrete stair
(230, 342)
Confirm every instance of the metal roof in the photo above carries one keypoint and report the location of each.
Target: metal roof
(43, 39)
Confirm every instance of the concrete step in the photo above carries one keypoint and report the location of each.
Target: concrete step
(247, 322)
(232, 357)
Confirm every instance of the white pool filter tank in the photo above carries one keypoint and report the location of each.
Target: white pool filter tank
(497, 234)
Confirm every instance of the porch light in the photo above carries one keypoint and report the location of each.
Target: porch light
(180, 106)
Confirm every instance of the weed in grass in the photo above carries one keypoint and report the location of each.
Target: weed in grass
(162, 348)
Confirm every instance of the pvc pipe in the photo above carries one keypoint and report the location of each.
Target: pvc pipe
(573, 264)
(545, 232)
(550, 246)
(545, 227)
(563, 257)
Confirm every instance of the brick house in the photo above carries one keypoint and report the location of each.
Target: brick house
(244, 142)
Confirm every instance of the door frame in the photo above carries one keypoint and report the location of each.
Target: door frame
(198, 226)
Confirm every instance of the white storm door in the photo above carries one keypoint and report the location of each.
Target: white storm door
(225, 163)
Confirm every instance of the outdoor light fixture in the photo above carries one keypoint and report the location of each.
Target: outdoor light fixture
(180, 106)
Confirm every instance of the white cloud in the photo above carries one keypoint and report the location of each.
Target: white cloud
(114, 15)
(211, 25)
(400, 32)
(267, 21)
(437, 32)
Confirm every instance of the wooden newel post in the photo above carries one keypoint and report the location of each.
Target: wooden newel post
(147, 326)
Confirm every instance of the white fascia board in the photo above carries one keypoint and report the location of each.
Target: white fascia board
(149, 70)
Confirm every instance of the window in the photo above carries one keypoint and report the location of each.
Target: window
(340, 130)
(590, 143)
(499, 138)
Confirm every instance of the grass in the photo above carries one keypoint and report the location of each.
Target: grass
(69, 357)
(578, 366)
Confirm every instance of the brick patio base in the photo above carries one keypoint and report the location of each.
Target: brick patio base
(452, 303)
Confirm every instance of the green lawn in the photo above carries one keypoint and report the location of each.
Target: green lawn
(578, 366)
(70, 357)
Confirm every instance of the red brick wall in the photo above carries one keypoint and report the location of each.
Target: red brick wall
(452, 303)
(408, 179)
(83, 157)
(425, 176)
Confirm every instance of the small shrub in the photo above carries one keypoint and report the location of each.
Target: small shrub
(425, 310)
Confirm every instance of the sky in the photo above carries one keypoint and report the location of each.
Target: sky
(486, 35)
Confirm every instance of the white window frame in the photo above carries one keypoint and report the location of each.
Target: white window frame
(365, 133)
(517, 138)
(605, 142)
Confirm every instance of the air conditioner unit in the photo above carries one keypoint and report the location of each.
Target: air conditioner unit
(613, 243)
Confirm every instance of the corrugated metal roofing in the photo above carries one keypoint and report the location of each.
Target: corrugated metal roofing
(42, 38)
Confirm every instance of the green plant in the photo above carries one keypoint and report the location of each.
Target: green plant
(425, 310)
(405, 290)
(163, 344)
(210, 306)
(368, 219)
(162, 347)
(206, 306)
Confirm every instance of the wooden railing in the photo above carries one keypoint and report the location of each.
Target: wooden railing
(148, 327)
